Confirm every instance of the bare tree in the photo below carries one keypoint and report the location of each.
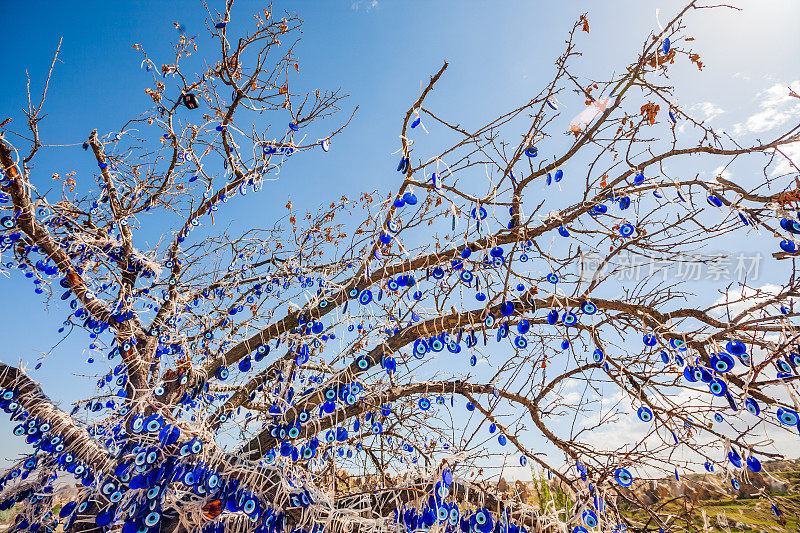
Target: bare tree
(379, 363)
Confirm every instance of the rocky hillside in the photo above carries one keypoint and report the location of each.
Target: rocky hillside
(700, 502)
(709, 502)
(775, 478)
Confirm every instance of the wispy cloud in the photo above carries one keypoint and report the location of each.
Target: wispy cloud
(366, 5)
(777, 108)
(722, 172)
(791, 153)
(707, 110)
(741, 299)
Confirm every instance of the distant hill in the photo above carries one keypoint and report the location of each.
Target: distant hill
(700, 502)
(775, 478)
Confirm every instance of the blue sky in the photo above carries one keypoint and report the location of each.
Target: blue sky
(500, 54)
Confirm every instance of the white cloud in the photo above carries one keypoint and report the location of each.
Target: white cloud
(708, 110)
(722, 172)
(742, 298)
(777, 94)
(614, 399)
(623, 430)
(572, 398)
(782, 166)
(763, 121)
(778, 108)
(366, 4)
(571, 384)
